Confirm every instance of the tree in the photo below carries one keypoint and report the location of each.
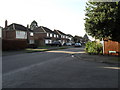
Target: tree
(33, 25)
(85, 38)
(103, 20)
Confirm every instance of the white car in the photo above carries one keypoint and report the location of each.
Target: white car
(78, 45)
(69, 44)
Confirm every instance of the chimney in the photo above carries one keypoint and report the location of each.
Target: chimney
(27, 25)
(6, 22)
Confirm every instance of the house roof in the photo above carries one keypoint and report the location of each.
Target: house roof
(39, 29)
(43, 29)
(15, 26)
(61, 33)
(69, 35)
(47, 29)
(56, 32)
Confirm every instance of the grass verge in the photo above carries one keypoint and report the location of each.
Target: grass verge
(30, 50)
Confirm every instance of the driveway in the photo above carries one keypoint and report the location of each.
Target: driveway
(57, 69)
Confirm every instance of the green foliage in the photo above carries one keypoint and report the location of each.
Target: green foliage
(77, 39)
(103, 20)
(94, 48)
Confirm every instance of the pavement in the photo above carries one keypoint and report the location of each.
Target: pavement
(99, 58)
(65, 68)
(9, 53)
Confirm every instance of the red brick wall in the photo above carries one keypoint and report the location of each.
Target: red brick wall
(111, 46)
(7, 34)
(40, 38)
(39, 35)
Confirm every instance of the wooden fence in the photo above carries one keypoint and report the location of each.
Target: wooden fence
(13, 44)
(111, 47)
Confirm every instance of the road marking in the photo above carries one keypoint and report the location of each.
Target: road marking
(112, 67)
(69, 52)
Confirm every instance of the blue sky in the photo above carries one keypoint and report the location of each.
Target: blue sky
(64, 15)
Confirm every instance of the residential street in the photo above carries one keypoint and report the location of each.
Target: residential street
(57, 69)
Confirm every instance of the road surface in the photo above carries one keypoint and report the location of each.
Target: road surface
(56, 69)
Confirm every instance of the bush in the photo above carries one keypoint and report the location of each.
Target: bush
(93, 48)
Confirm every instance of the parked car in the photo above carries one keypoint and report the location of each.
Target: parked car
(56, 43)
(67, 44)
(73, 44)
(78, 45)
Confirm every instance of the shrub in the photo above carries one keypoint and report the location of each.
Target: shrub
(93, 48)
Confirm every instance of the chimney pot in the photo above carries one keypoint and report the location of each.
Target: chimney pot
(27, 25)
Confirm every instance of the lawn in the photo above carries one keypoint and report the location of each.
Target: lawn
(44, 48)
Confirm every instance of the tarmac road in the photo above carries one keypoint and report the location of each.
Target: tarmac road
(56, 69)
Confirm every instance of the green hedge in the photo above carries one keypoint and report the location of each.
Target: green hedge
(93, 48)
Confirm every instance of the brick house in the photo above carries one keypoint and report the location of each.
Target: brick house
(44, 36)
(0, 32)
(0, 38)
(111, 47)
(17, 36)
(70, 38)
(63, 38)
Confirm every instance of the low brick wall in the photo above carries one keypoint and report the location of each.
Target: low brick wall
(110, 45)
(13, 44)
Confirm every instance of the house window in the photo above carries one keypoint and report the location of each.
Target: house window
(21, 35)
(46, 41)
(50, 41)
(57, 36)
(47, 34)
(50, 35)
(54, 35)
(18, 32)
(31, 33)
(31, 41)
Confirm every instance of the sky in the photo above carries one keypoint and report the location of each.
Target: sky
(64, 15)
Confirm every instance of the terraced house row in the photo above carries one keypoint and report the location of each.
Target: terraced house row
(18, 36)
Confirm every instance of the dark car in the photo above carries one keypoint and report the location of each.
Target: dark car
(56, 43)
